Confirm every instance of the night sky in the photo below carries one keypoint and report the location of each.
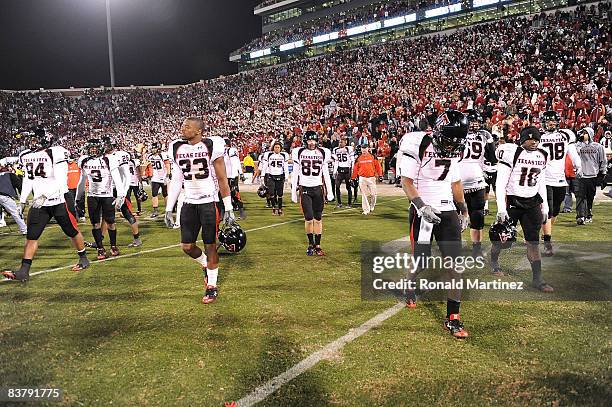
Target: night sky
(62, 43)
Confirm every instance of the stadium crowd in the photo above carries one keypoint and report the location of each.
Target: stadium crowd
(511, 70)
(341, 21)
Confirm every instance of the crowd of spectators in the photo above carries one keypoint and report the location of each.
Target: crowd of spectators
(341, 21)
(511, 70)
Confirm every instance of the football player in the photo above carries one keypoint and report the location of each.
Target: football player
(432, 182)
(309, 183)
(135, 181)
(522, 197)
(355, 182)
(46, 177)
(343, 161)
(161, 172)
(276, 172)
(479, 148)
(557, 143)
(123, 159)
(101, 172)
(233, 169)
(198, 166)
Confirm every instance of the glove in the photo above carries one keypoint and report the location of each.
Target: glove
(21, 210)
(168, 220)
(380, 179)
(228, 218)
(118, 202)
(464, 221)
(430, 214)
(242, 177)
(579, 173)
(544, 213)
(38, 202)
(294, 198)
(502, 216)
(603, 184)
(330, 196)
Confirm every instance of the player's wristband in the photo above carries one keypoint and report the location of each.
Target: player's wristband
(461, 207)
(227, 203)
(418, 202)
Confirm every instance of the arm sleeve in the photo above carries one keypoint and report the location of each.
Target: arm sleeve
(295, 176)
(542, 191)
(489, 154)
(80, 192)
(116, 175)
(503, 176)
(286, 166)
(174, 190)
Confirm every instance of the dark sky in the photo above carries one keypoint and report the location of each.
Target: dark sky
(62, 43)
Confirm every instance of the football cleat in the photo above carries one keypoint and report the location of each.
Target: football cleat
(274, 211)
(114, 251)
(135, 243)
(589, 219)
(318, 251)
(18, 275)
(411, 300)
(101, 254)
(310, 251)
(81, 265)
(154, 214)
(548, 249)
(268, 205)
(454, 325)
(339, 205)
(580, 221)
(497, 271)
(567, 210)
(210, 295)
(280, 212)
(542, 286)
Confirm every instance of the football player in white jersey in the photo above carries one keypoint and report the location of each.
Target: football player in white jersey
(432, 182)
(233, 169)
(198, 166)
(46, 177)
(479, 148)
(101, 172)
(521, 197)
(123, 159)
(343, 163)
(309, 183)
(276, 172)
(161, 172)
(558, 143)
(135, 181)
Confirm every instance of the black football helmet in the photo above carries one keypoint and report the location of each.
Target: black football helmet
(156, 147)
(232, 238)
(357, 150)
(262, 191)
(311, 135)
(141, 194)
(474, 119)
(94, 147)
(550, 116)
(39, 139)
(504, 232)
(108, 143)
(449, 133)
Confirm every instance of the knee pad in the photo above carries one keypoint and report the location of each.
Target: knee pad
(318, 216)
(477, 219)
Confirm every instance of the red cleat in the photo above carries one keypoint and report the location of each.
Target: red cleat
(210, 295)
(318, 251)
(101, 254)
(114, 251)
(411, 303)
(453, 325)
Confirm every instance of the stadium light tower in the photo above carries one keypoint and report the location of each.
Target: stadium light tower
(109, 32)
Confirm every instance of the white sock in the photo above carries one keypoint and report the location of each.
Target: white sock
(202, 260)
(212, 276)
(487, 204)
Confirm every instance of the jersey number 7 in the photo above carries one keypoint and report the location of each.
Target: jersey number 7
(446, 164)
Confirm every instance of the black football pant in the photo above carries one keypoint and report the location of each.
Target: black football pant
(346, 178)
(587, 187)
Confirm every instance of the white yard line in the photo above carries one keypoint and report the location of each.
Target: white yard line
(123, 256)
(263, 391)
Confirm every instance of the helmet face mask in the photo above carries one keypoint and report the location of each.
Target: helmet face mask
(156, 147)
(474, 120)
(504, 232)
(450, 133)
(309, 137)
(550, 121)
(94, 148)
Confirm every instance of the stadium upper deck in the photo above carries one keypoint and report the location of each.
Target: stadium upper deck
(294, 29)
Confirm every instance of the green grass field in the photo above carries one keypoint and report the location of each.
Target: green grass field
(132, 331)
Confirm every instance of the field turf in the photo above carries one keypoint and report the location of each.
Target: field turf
(132, 331)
